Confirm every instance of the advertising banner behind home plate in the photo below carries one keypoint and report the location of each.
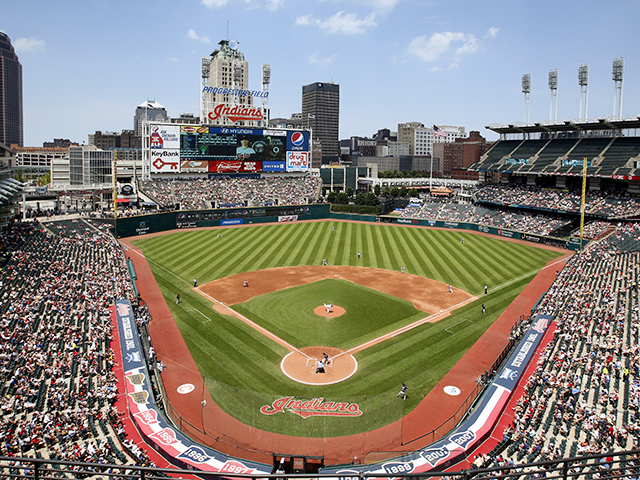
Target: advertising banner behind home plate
(467, 436)
(151, 422)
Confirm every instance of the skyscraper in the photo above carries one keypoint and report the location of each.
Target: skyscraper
(11, 120)
(321, 113)
(150, 111)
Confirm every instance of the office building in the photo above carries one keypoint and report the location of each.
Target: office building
(421, 139)
(88, 165)
(321, 112)
(460, 154)
(11, 118)
(150, 111)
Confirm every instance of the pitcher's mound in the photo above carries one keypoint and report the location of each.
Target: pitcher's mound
(334, 311)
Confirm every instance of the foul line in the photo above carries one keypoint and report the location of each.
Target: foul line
(375, 341)
(252, 324)
(438, 315)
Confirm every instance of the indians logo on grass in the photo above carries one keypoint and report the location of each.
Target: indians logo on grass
(311, 408)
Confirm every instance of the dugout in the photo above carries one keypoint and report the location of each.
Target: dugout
(296, 464)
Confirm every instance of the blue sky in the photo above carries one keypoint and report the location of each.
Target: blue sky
(88, 64)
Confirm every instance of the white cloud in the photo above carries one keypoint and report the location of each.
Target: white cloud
(214, 3)
(381, 6)
(31, 44)
(345, 23)
(271, 5)
(492, 32)
(448, 46)
(194, 36)
(314, 59)
(274, 5)
(173, 59)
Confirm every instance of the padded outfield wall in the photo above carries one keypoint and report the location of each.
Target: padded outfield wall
(184, 219)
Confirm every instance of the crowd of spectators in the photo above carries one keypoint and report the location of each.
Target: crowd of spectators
(528, 222)
(608, 204)
(58, 388)
(56, 380)
(203, 193)
(584, 395)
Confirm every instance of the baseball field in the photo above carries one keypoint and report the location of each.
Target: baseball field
(393, 327)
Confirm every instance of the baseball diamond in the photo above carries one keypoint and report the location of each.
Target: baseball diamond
(252, 346)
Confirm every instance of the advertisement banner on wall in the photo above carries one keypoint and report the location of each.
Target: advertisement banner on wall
(194, 166)
(270, 166)
(234, 166)
(164, 136)
(297, 161)
(165, 160)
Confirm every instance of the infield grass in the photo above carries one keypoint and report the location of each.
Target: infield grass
(242, 366)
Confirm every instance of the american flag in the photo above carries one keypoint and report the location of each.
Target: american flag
(312, 116)
(438, 133)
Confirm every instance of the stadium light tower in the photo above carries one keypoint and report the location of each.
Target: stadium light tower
(553, 86)
(618, 71)
(583, 81)
(206, 68)
(526, 89)
(266, 80)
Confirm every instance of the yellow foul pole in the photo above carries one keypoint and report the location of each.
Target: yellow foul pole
(584, 194)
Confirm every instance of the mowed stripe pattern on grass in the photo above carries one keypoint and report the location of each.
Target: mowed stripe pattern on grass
(436, 254)
(245, 364)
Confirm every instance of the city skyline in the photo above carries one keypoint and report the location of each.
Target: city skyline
(86, 66)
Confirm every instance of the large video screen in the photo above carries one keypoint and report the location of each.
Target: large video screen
(232, 144)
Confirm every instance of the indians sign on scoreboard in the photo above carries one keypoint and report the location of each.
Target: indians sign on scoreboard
(204, 149)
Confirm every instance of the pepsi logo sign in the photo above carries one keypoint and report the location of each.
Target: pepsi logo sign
(297, 139)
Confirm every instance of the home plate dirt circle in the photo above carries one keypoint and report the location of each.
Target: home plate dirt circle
(300, 365)
(334, 311)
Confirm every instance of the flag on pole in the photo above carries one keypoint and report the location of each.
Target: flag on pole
(438, 133)
(312, 116)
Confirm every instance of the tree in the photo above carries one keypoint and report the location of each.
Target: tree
(331, 197)
(361, 199)
(349, 192)
(372, 199)
(44, 179)
(19, 176)
(342, 198)
(376, 190)
(395, 191)
(413, 192)
(386, 191)
(403, 191)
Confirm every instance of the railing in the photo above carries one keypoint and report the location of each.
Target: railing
(613, 465)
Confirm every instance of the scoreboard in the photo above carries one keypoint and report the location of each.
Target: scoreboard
(205, 149)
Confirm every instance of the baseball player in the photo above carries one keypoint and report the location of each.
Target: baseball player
(403, 391)
(450, 289)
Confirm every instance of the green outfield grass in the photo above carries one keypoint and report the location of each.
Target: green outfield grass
(242, 367)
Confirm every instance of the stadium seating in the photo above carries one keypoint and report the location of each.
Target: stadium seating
(201, 193)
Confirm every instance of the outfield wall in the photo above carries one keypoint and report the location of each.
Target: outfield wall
(185, 219)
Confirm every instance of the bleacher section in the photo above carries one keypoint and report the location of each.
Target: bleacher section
(606, 155)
